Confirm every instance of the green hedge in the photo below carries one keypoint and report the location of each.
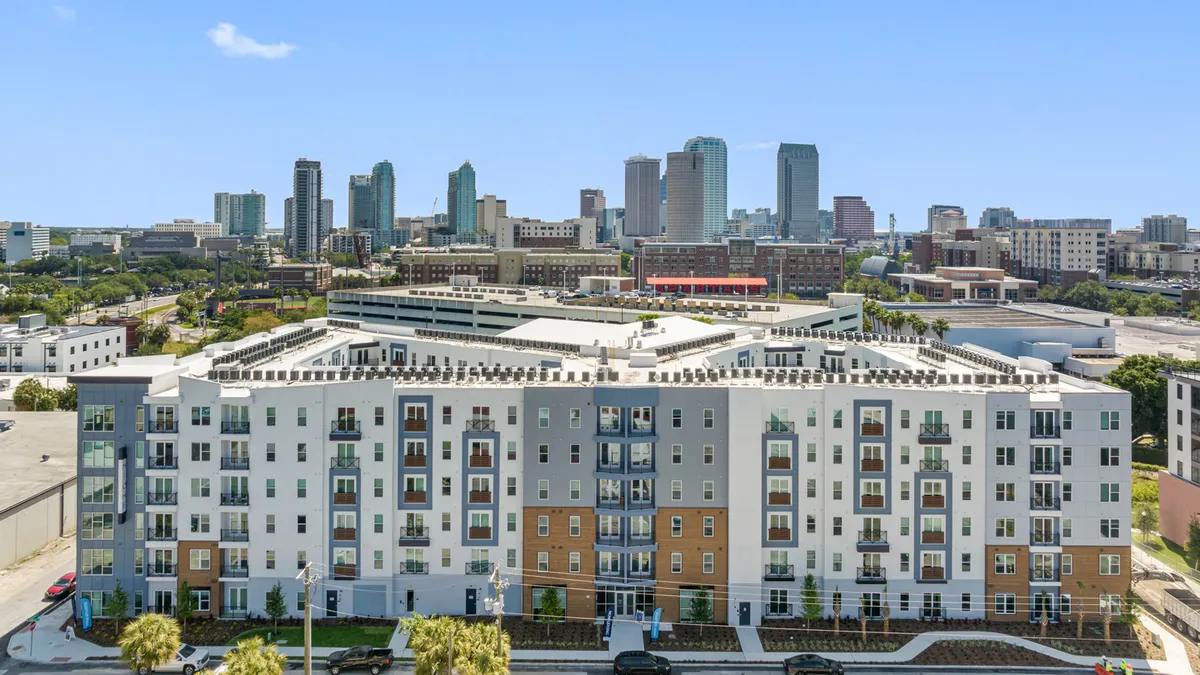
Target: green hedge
(1148, 455)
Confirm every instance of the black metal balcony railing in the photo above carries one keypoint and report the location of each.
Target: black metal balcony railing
(344, 462)
(1045, 503)
(1044, 539)
(1044, 431)
(235, 499)
(160, 570)
(933, 613)
(641, 467)
(872, 536)
(933, 433)
(776, 609)
(779, 427)
(481, 425)
(414, 567)
(162, 498)
(161, 533)
(871, 575)
(163, 462)
(228, 427)
(227, 613)
(935, 465)
(480, 567)
(235, 534)
(235, 570)
(162, 427)
(1045, 467)
(641, 572)
(779, 572)
(345, 427)
(408, 534)
(1043, 574)
(235, 462)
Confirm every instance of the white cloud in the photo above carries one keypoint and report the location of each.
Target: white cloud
(226, 37)
(64, 13)
(761, 145)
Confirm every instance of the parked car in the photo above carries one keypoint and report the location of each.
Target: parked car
(62, 588)
(640, 663)
(187, 661)
(811, 664)
(360, 657)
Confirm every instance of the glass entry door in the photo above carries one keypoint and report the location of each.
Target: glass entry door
(624, 603)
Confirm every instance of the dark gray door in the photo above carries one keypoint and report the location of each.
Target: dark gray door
(743, 614)
(470, 601)
(409, 600)
(331, 604)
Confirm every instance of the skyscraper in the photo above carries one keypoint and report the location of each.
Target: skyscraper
(853, 220)
(591, 205)
(383, 198)
(241, 214)
(642, 196)
(1171, 229)
(997, 216)
(716, 183)
(824, 225)
(360, 210)
(287, 224)
(685, 195)
(326, 220)
(797, 187)
(938, 208)
(308, 209)
(460, 200)
(488, 210)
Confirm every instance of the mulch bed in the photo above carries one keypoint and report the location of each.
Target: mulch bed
(984, 653)
(573, 635)
(212, 631)
(687, 638)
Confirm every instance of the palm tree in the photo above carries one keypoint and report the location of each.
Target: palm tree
(149, 641)
(278, 292)
(1106, 617)
(837, 610)
(254, 657)
(887, 612)
(1082, 611)
(306, 294)
(897, 320)
(919, 326)
(940, 327)
(882, 319)
(1043, 618)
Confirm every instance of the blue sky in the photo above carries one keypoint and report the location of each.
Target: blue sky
(120, 113)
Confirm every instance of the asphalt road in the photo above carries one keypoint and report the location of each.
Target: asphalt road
(18, 668)
(111, 310)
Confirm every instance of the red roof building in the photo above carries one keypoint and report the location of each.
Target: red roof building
(709, 285)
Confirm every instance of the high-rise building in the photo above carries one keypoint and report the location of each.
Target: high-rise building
(360, 208)
(642, 196)
(592, 205)
(241, 214)
(26, 241)
(797, 186)
(488, 210)
(662, 204)
(460, 200)
(997, 217)
(307, 211)
(824, 224)
(1172, 229)
(326, 218)
(202, 230)
(287, 224)
(947, 221)
(383, 198)
(1059, 251)
(716, 183)
(685, 195)
(935, 210)
(853, 220)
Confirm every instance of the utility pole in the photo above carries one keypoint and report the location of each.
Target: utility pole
(310, 580)
(497, 604)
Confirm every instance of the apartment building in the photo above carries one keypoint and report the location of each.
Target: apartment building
(808, 270)
(1179, 485)
(534, 233)
(406, 465)
(201, 230)
(1059, 251)
(562, 269)
(31, 346)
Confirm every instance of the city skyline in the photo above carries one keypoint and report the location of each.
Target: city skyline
(1041, 155)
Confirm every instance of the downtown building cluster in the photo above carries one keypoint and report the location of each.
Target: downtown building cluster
(406, 465)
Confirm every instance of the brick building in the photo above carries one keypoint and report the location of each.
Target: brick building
(808, 270)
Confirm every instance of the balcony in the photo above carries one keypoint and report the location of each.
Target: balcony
(1043, 574)
(479, 497)
(779, 572)
(347, 429)
(871, 429)
(1045, 503)
(414, 536)
(236, 570)
(1046, 468)
(345, 571)
(1045, 431)
(345, 498)
(640, 428)
(235, 535)
(779, 610)
(414, 567)
(1044, 539)
(779, 534)
(345, 462)
(480, 566)
(162, 462)
(933, 537)
(642, 572)
(162, 498)
(933, 613)
(641, 466)
(415, 461)
(160, 570)
(872, 540)
(481, 425)
(480, 461)
(417, 497)
(871, 575)
(933, 573)
(871, 501)
(933, 501)
(779, 463)
(935, 465)
(228, 427)
(871, 466)
(414, 425)
(234, 462)
(162, 427)
(479, 533)
(933, 434)
(235, 499)
(779, 427)
(227, 613)
(779, 498)
(161, 534)
(345, 533)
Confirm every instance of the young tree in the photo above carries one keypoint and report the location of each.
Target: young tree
(551, 610)
(31, 395)
(1191, 551)
(1145, 518)
(887, 613)
(837, 611)
(276, 607)
(1043, 617)
(118, 605)
(185, 604)
(68, 398)
(862, 616)
(1106, 617)
(701, 610)
(810, 600)
(940, 326)
(149, 641)
(254, 657)
(1081, 608)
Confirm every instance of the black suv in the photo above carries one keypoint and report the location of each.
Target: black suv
(640, 663)
(811, 664)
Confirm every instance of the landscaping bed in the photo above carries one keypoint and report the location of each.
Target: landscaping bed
(210, 632)
(984, 653)
(572, 635)
(689, 638)
(323, 636)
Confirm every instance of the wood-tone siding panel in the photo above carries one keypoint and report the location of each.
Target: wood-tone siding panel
(208, 578)
(692, 545)
(580, 600)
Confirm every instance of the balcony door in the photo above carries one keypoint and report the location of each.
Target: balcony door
(1044, 422)
(1043, 458)
(1043, 494)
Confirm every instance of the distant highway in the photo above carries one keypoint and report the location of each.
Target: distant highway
(112, 310)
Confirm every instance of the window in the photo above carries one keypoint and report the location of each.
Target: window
(709, 526)
(1110, 492)
(301, 488)
(301, 524)
(512, 419)
(676, 418)
(1066, 528)
(200, 522)
(379, 452)
(447, 414)
(543, 418)
(301, 417)
(837, 526)
(96, 562)
(1006, 563)
(574, 526)
(1066, 456)
(709, 491)
(1110, 420)
(677, 454)
(811, 524)
(1110, 457)
(676, 526)
(543, 526)
(100, 455)
(810, 559)
(709, 418)
(139, 418)
(1006, 419)
(575, 490)
(708, 455)
(301, 452)
(575, 456)
(270, 526)
(97, 490)
(966, 419)
(966, 562)
(904, 490)
(904, 602)
(511, 486)
(543, 454)
(1066, 492)
(676, 490)
(904, 526)
(811, 488)
(1064, 603)
(837, 419)
(378, 523)
(1006, 527)
(512, 451)
(96, 526)
(543, 489)
(676, 563)
(445, 522)
(201, 487)
(270, 488)
(97, 417)
(512, 522)
(270, 417)
(811, 453)
(904, 419)
(1066, 420)
(966, 455)
(707, 563)
(966, 602)
(837, 454)
(200, 559)
(811, 418)
(1006, 456)
(904, 454)
(837, 562)
(1006, 492)
(201, 416)
(837, 490)
(1110, 528)
(1112, 601)
(1067, 564)
(446, 449)
(573, 562)
(445, 557)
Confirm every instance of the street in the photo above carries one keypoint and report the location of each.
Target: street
(18, 668)
(111, 310)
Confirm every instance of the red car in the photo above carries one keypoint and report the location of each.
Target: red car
(63, 587)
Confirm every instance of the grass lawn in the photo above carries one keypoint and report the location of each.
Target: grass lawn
(180, 348)
(326, 636)
(156, 310)
(1163, 549)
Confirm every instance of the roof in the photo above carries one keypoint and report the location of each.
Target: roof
(975, 316)
(21, 448)
(709, 281)
(667, 331)
(878, 266)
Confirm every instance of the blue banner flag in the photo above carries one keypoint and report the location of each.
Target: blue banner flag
(608, 623)
(654, 624)
(85, 612)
